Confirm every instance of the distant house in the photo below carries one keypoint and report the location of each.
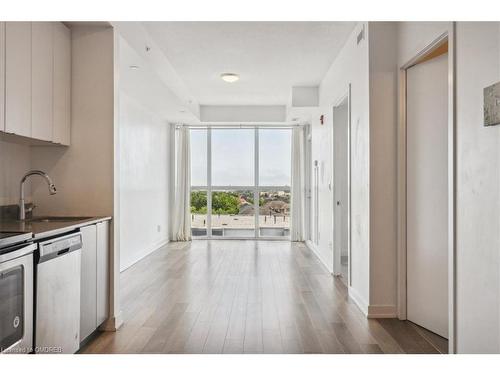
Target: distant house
(246, 209)
(274, 207)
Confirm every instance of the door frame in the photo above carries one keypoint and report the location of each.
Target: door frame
(336, 253)
(448, 36)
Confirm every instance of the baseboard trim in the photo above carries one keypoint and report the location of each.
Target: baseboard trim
(314, 249)
(88, 339)
(112, 324)
(358, 300)
(153, 248)
(382, 311)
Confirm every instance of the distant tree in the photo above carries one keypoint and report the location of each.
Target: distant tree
(199, 202)
(225, 202)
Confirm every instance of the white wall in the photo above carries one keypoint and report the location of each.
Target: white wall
(242, 113)
(370, 68)
(144, 153)
(15, 161)
(383, 168)
(83, 172)
(413, 37)
(350, 67)
(478, 178)
(144, 150)
(321, 150)
(478, 191)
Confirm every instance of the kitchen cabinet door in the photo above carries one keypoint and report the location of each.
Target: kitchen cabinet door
(88, 300)
(42, 55)
(102, 271)
(18, 78)
(62, 84)
(2, 76)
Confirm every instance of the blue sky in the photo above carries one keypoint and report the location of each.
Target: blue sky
(233, 156)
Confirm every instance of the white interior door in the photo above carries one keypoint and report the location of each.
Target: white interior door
(340, 183)
(316, 202)
(427, 194)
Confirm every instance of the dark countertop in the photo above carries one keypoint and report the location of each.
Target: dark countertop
(42, 229)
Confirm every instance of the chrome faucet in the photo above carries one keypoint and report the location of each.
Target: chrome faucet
(52, 190)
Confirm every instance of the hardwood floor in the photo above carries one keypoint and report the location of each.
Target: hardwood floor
(233, 296)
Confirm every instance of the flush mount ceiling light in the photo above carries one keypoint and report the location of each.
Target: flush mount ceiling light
(230, 77)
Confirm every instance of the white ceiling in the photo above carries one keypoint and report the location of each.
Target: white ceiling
(270, 57)
(145, 87)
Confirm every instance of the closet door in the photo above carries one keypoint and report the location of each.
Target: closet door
(427, 194)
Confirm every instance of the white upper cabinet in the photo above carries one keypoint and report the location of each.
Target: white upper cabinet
(18, 78)
(62, 84)
(42, 66)
(2, 76)
(35, 80)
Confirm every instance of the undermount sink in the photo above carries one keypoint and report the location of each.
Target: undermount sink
(50, 219)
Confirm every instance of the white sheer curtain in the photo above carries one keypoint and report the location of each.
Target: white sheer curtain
(182, 206)
(298, 184)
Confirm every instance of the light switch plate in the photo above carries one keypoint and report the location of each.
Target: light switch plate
(492, 105)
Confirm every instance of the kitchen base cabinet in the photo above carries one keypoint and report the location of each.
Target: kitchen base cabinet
(94, 277)
(88, 282)
(102, 271)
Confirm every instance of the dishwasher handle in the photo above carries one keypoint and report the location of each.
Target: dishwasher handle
(59, 246)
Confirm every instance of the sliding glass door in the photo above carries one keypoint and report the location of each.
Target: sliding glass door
(240, 181)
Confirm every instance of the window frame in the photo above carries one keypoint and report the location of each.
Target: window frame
(209, 188)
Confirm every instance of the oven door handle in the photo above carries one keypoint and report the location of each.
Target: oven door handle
(25, 249)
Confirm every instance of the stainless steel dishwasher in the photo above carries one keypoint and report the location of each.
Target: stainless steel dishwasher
(57, 306)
